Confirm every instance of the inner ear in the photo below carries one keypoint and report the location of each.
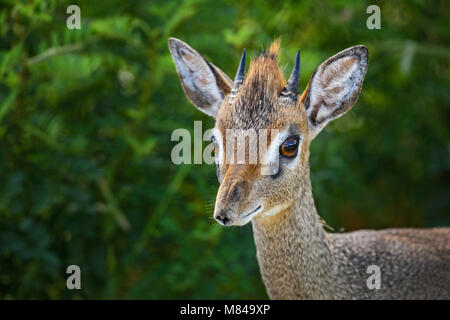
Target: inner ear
(334, 87)
(204, 84)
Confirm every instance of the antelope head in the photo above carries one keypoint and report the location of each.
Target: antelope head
(266, 113)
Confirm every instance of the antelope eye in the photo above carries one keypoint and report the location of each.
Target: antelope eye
(215, 145)
(289, 147)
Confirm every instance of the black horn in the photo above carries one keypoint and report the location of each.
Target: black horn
(239, 78)
(291, 87)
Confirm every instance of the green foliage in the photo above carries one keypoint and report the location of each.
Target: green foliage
(85, 123)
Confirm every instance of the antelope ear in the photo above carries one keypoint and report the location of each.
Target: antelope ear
(334, 87)
(204, 84)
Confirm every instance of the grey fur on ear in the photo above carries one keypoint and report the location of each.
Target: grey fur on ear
(204, 84)
(334, 87)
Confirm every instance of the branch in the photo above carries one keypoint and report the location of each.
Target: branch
(54, 52)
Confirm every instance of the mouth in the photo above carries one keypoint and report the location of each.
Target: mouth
(253, 213)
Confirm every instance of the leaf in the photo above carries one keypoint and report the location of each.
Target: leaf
(8, 103)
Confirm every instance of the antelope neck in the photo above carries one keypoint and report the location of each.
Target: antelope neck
(294, 252)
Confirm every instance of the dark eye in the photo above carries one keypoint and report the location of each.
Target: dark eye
(215, 145)
(216, 150)
(289, 147)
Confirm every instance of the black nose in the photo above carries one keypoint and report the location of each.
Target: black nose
(222, 218)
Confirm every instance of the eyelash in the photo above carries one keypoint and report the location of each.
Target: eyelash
(215, 145)
(290, 151)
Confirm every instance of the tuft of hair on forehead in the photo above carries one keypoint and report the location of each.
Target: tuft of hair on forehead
(257, 100)
(264, 71)
(273, 49)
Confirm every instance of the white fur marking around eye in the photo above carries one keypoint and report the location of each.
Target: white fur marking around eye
(274, 147)
(220, 157)
(271, 162)
(273, 153)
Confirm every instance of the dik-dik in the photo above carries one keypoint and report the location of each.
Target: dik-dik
(297, 258)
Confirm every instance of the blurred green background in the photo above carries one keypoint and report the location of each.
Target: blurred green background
(85, 123)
